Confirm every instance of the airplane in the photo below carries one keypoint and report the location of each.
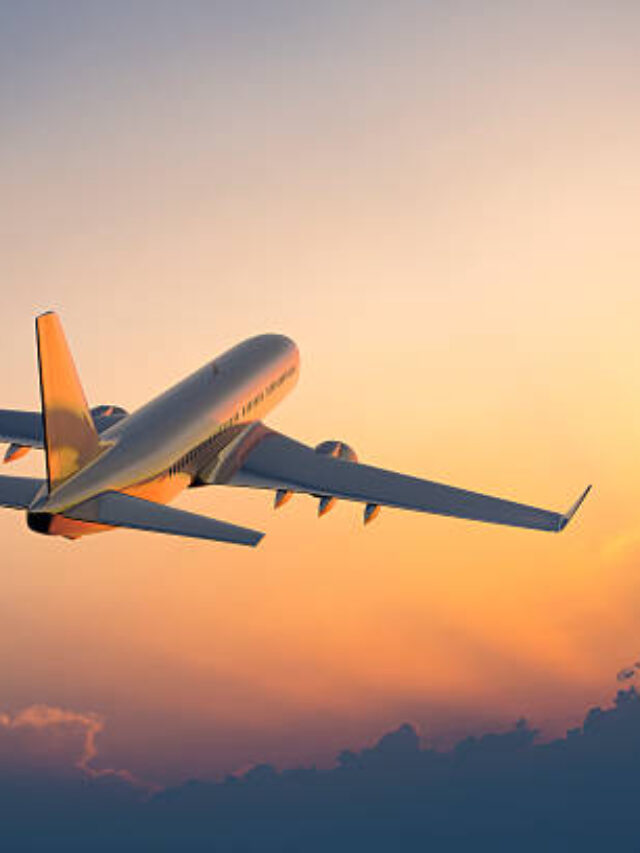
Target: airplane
(107, 468)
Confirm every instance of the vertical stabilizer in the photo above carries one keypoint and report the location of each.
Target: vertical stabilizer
(70, 437)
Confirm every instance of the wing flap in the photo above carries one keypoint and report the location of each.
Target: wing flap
(277, 462)
(119, 510)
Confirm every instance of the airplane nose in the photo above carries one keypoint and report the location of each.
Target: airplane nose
(276, 345)
(282, 342)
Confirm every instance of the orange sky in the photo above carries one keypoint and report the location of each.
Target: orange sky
(441, 208)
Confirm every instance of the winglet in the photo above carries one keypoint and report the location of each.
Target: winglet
(566, 518)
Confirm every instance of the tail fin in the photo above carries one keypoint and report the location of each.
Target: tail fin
(70, 437)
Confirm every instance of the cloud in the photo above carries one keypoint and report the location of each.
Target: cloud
(491, 791)
(48, 739)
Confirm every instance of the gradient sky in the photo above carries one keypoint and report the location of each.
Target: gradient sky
(440, 203)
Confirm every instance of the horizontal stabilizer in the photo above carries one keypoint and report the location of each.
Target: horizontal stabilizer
(19, 492)
(119, 510)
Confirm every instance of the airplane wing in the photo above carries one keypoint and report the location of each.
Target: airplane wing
(19, 492)
(25, 428)
(269, 460)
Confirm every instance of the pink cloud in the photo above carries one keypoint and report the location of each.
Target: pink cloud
(53, 740)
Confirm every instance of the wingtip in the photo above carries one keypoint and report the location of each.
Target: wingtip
(566, 518)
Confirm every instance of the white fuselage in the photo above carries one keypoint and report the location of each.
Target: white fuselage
(160, 449)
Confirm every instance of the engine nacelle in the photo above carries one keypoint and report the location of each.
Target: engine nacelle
(337, 449)
(341, 450)
(108, 411)
(106, 416)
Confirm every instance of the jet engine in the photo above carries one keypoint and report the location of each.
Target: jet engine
(338, 450)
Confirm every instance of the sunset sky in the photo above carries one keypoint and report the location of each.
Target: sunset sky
(440, 203)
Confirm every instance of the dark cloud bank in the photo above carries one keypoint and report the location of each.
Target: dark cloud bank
(491, 792)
